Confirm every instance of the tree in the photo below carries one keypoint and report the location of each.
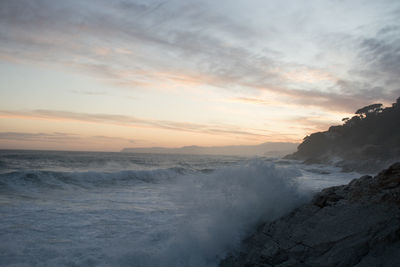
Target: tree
(370, 109)
(397, 104)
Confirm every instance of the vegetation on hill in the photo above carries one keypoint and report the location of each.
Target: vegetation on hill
(371, 138)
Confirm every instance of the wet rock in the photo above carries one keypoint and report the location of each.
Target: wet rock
(353, 225)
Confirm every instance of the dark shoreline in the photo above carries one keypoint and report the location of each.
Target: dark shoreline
(357, 224)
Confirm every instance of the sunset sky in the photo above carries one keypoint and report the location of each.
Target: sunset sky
(109, 74)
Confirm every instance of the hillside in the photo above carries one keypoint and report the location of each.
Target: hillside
(273, 149)
(367, 142)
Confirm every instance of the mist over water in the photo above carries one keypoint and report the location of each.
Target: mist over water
(102, 209)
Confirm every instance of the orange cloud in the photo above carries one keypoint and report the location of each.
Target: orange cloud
(252, 100)
(130, 121)
(61, 141)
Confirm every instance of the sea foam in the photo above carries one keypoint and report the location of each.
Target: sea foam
(220, 209)
(187, 213)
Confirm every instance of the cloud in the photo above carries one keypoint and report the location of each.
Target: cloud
(58, 137)
(63, 141)
(130, 121)
(382, 56)
(251, 100)
(312, 124)
(85, 92)
(48, 137)
(187, 40)
(188, 43)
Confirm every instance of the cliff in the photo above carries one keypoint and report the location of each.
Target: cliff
(366, 142)
(351, 225)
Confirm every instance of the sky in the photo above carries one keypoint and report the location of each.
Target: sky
(107, 74)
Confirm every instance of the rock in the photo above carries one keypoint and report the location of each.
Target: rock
(352, 225)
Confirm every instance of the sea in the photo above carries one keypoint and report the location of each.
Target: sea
(122, 209)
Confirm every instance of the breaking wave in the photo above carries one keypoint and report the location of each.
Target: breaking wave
(30, 180)
(220, 209)
(161, 217)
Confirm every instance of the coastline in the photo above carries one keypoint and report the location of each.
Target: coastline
(361, 165)
(354, 224)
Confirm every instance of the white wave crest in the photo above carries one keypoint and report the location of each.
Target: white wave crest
(219, 210)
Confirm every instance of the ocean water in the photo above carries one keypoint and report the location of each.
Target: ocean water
(122, 209)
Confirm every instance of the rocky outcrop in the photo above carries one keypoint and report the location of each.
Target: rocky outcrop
(366, 143)
(351, 225)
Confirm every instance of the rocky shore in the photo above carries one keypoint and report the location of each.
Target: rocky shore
(350, 225)
(365, 143)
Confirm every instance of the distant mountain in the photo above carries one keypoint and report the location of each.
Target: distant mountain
(366, 142)
(274, 149)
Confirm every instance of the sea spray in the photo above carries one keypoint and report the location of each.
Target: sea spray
(221, 208)
(73, 209)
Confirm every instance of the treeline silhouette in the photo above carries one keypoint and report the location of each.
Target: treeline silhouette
(372, 134)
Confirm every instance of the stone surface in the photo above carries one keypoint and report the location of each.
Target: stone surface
(351, 225)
